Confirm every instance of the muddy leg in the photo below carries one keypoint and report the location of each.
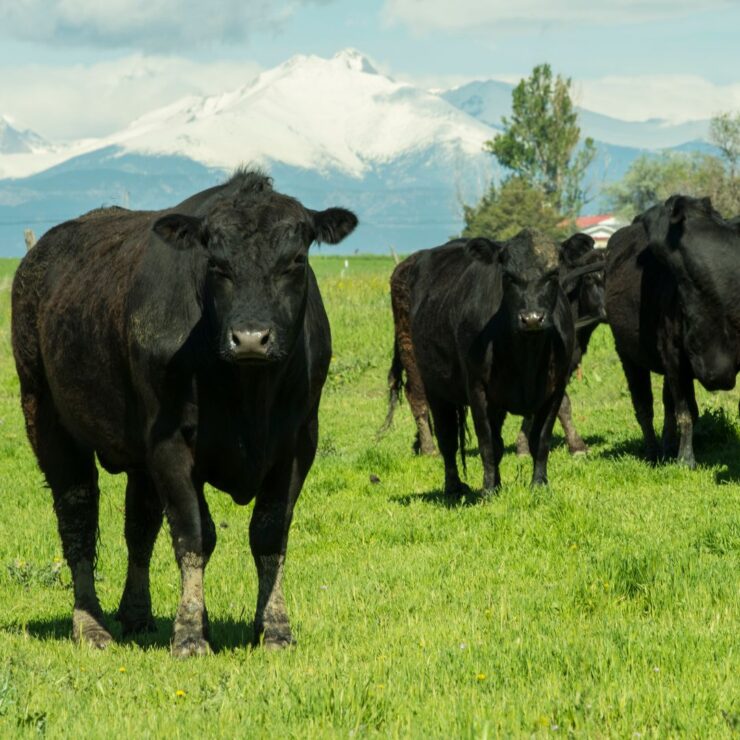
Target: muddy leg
(268, 539)
(575, 444)
(143, 522)
(73, 479)
(184, 504)
(522, 440)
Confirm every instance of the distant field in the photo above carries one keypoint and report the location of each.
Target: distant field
(607, 605)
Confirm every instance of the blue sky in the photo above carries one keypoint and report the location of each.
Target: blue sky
(86, 68)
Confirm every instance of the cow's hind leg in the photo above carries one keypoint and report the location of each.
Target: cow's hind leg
(522, 439)
(446, 427)
(73, 478)
(576, 445)
(268, 539)
(638, 380)
(144, 515)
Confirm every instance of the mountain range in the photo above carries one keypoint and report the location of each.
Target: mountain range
(330, 131)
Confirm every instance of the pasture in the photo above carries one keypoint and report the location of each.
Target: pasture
(607, 605)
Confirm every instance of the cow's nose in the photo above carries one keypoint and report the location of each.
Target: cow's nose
(531, 320)
(250, 345)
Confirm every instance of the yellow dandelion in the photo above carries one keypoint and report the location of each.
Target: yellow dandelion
(179, 693)
(481, 676)
(122, 669)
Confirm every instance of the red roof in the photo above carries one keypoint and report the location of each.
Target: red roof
(584, 222)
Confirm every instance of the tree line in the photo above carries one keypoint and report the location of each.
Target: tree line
(545, 160)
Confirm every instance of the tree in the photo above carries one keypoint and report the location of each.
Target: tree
(724, 133)
(505, 211)
(652, 178)
(539, 141)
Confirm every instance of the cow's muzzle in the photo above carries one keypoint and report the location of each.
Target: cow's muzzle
(531, 320)
(250, 345)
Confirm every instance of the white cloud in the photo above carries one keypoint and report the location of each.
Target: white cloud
(152, 25)
(474, 15)
(676, 98)
(63, 103)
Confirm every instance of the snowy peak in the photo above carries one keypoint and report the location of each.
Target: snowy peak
(354, 60)
(14, 141)
(326, 115)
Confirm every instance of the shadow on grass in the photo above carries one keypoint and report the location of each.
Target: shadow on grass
(716, 444)
(439, 498)
(225, 634)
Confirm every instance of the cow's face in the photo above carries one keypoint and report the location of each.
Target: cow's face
(700, 250)
(587, 292)
(256, 281)
(530, 277)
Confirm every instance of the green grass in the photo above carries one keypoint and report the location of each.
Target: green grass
(605, 606)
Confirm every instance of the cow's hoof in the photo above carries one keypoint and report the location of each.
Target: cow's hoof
(135, 619)
(131, 625)
(190, 647)
(278, 642)
(580, 452)
(457, 490)
(90, 630)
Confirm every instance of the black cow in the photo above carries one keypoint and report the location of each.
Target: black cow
(702, 253)
(491, 329)
(585, 293)
(182, 348)
(646, 319)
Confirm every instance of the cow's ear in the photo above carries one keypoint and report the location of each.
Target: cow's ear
(677, 207)
(484, 250)
(574, 247)
(333, 224)
(181, 232)
(706, 204)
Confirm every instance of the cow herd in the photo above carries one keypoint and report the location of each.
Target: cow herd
(191, 345)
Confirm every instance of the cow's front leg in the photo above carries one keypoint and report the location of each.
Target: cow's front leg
(268, 538)
(193, 539)
(488, 447)
(540, 435)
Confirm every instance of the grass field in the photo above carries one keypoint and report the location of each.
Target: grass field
(607, 605)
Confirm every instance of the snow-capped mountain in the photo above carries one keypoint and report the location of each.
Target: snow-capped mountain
(330, 131)
(14, 141)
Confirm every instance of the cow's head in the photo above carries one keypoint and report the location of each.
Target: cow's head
(585, 290)
(529, 268)
(255, 243)
(702, 252)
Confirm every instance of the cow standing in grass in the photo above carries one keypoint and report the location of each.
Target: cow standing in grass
(182, 348)
(491, 329)
(585, 293)
(672, 304)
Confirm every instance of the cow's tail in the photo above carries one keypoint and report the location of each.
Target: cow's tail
(462, 433)
(395, 386)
